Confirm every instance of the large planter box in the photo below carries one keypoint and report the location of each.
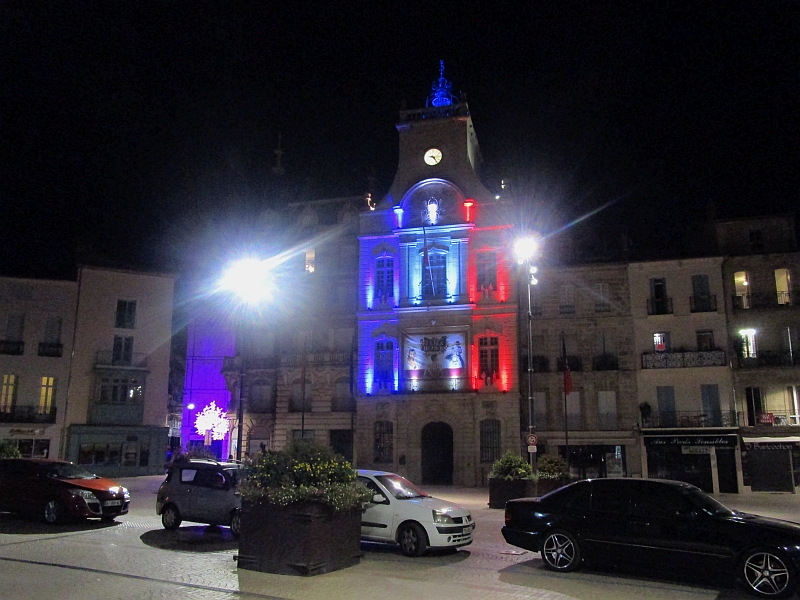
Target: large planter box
(502, 490)
(302, 539)
(548, 485)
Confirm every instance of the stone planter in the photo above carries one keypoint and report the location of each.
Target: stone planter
(302, 539)
(502, 490)
(548, 485)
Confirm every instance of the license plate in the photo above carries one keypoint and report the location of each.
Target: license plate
(112, 503)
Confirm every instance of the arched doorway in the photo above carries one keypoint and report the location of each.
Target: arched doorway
(437, 454)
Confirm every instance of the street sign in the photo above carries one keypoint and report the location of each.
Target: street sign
(532, 439)
(532, 449)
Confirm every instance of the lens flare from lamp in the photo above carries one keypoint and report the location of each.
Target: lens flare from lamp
(525, 248)
(249, 279)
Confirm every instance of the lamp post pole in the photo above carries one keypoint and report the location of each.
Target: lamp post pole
(240, 411)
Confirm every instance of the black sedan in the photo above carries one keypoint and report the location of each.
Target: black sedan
(656, 526)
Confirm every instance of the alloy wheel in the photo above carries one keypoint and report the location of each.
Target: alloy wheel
(559, 551)
(766, 574)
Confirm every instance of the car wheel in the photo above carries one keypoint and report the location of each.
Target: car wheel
(54, 512)
(236, 523)
(768, 574)
(560, 552)
(412, 539)
(170, 517)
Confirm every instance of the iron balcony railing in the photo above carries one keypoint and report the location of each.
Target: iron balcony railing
(677, 360)
(53, 350)
(689, 419)
(698, 304)
(659, 306)
(12, 347)
(449, 384)
(771, 358)
(605, 362)
(28, 414)
(766, 299)
(771, 418)
(109, 358)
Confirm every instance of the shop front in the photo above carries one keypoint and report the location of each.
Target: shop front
(707, 461)
(771, 464)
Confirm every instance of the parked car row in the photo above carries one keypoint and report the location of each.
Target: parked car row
(647, 524)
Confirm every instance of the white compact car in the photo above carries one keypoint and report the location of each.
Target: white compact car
(401, 513)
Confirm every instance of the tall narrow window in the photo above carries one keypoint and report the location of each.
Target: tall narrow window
(383, 442)
(122, 353)
(490, 440)
(52, 330)
(711, 408)
(667, 417)
(748, 343)
(661, 341)
(47, 395)
(574, 420)
(783, 286)
(705, 340)
(752, 396)
(14, 327)
(607, 409)
(434, 275)
(701, 300)
(601, 297)
(126, 314)
(384, 364)
(566, 299)
(487, 271)
(659, 303)
(8, 393)
(310, 261)
(741, 286)
(488, 358)
(384, 279)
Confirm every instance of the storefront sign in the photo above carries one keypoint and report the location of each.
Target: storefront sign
(719, 441)
(25, 432)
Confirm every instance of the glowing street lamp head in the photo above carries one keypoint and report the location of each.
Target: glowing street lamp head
(250, 279)
(526, 248)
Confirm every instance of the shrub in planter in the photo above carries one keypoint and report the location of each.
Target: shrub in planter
(301, 512)
(9, 450)
(552, 472)
(511, 477)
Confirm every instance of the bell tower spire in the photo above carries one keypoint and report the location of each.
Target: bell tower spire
(441, 87)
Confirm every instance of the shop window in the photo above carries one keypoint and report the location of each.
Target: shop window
(100, 454)
(383, 442)
(490, 440)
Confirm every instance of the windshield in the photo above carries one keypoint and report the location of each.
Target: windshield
(400, 487)
(68, 471)
(707, 504)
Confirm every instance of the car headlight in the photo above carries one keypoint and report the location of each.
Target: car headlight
(126, 494)
(441, 518)
(85, 494)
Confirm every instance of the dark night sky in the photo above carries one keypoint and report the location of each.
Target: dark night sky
(128, 126)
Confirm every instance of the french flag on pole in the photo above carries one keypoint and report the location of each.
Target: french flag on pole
(567, 374)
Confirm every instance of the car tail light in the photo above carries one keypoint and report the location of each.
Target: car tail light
(508, 517)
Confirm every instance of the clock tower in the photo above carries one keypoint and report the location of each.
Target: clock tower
(436, 379)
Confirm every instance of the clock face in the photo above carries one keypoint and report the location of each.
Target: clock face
(433, 156)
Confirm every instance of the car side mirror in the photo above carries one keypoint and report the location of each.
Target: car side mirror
(379, 499)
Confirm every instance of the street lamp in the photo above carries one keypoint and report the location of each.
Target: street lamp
(525, 249)
(249, 280)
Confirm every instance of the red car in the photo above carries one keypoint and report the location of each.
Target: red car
(55, 490)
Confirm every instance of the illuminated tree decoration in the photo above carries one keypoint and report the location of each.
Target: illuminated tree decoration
(211, 419)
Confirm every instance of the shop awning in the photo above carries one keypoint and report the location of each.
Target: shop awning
(775, 440)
